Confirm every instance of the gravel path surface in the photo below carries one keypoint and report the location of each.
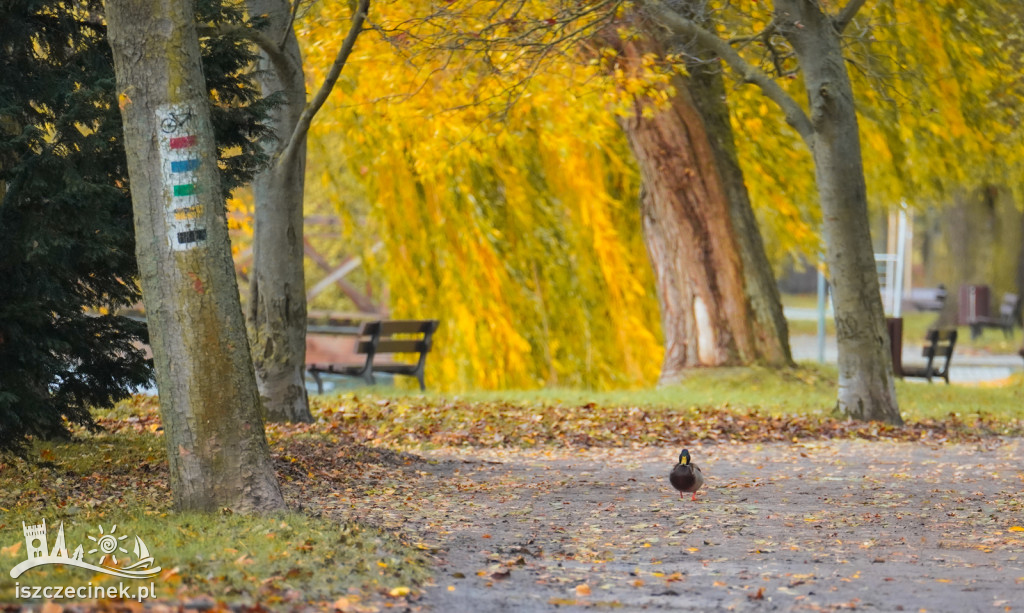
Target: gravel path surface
(816, 526)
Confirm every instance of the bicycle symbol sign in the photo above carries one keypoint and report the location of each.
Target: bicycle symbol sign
(181, 161)
(176, 120)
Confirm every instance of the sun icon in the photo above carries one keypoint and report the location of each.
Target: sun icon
(108, 544)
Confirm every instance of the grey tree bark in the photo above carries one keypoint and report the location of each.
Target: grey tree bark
(277, 313)
(277, 307)
(866, 390)
(217, 449)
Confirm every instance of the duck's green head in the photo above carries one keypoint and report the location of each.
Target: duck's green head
(684, 458)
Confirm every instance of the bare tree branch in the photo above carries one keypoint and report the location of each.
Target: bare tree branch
(847, 13)
(288, 26)
(677, 24)
(282, 64)
(302, 127)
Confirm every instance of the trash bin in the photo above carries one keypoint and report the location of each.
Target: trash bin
(974, 303)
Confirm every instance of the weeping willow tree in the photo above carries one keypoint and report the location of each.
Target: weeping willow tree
(945, 110)
(940, 109)
(515, 224)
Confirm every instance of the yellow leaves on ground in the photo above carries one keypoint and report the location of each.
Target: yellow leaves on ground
(11, 551)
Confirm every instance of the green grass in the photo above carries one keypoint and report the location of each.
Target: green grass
(915, 325)
(117, 483)
(808, 389)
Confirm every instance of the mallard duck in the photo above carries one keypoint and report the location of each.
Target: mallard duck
(686, 477)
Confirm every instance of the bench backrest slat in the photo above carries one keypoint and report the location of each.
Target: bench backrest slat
(375, 337)
(402, 346)
(407, 326)
(384, 338)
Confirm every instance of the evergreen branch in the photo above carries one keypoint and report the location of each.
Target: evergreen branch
(679, 25)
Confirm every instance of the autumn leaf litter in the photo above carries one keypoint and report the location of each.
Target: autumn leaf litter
(566, 507)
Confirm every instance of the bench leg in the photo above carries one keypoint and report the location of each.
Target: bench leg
(419, 377)
(319, 382)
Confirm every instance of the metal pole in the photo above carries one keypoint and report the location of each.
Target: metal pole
(821, 312)
(901, 253)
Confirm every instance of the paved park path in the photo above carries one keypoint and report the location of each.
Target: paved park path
(812, 526)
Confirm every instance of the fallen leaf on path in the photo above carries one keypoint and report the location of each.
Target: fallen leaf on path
(12, 550)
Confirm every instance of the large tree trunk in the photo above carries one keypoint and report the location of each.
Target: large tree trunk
(771, 331)
(209, 404)
(719, 303)
(277, 308)
(866, 388)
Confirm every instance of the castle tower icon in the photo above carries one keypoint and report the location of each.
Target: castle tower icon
(35, 540)
(59, 548)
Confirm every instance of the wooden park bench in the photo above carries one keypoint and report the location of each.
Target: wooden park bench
(377, 342)
(938, 344)
(1008, 313)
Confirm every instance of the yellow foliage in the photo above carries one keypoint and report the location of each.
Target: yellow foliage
(504, 193)
(940, 103)
(939, 98)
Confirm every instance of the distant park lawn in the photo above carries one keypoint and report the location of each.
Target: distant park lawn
(809, 389)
